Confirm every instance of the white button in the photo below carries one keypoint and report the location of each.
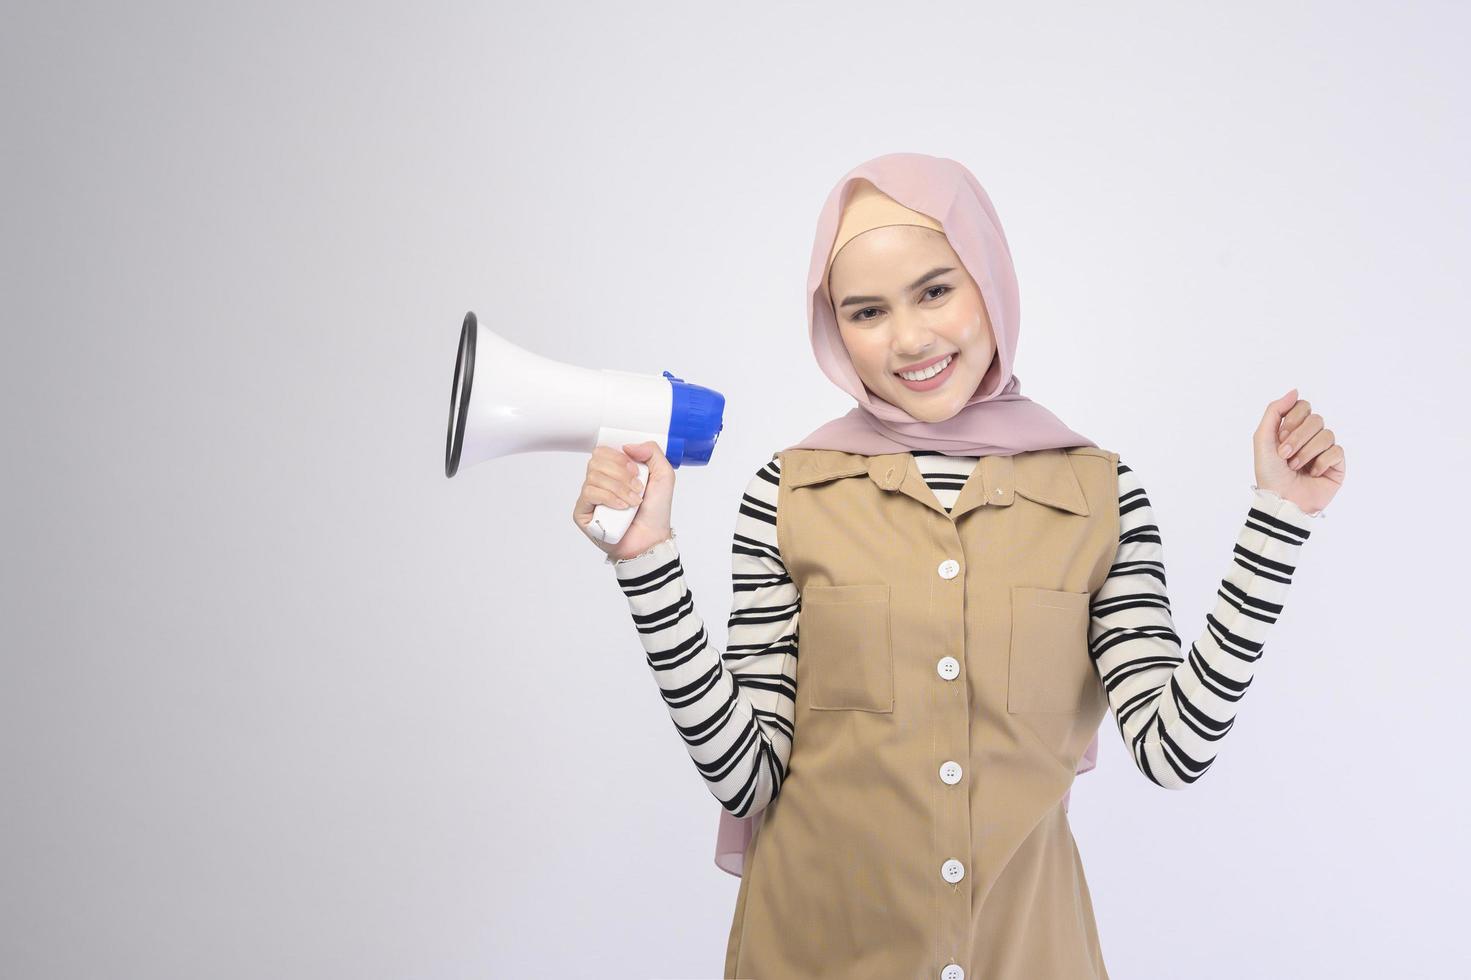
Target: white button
(952, 972)
(999, 491)
(952, 871)
(948, 668)
(949, 568)
(950, 772)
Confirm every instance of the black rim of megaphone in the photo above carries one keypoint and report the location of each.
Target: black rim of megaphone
(459, 395)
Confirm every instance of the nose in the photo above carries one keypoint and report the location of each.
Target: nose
(911, 340)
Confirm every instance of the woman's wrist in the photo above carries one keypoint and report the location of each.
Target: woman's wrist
(610, 560)
(1277, 496)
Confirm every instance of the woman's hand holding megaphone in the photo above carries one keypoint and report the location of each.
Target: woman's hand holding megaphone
(612, 480)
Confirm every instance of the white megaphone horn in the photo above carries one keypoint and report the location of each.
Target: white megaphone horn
(508, 400)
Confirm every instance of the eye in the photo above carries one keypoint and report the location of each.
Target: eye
(858, 316)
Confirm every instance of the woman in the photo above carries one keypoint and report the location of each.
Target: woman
(977, 586)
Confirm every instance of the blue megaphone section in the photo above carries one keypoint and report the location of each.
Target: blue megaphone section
(695, 421)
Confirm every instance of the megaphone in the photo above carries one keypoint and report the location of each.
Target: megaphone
(507, 400)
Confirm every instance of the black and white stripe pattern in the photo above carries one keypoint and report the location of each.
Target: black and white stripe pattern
(735, 710)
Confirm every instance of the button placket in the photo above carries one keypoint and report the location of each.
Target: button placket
(953, 733)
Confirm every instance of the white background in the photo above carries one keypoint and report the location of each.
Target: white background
(279, 700)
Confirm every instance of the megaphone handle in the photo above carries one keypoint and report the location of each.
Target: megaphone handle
(609, 524)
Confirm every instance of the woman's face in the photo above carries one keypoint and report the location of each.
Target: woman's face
(904, 301)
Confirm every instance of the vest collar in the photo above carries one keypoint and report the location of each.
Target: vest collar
(1043, 476)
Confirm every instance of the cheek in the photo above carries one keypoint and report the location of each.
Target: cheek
(961, 322)
(971, 330)
(975, 312)
(868, 358)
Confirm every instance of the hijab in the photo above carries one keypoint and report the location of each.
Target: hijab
(941, 194)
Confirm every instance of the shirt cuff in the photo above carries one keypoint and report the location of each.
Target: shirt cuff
(1286, 509)
(659, 554)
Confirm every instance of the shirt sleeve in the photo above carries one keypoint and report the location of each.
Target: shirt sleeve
(1172, 710)
(736, 710)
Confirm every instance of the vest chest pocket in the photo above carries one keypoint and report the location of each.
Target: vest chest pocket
(845, 656)
(1050, 666)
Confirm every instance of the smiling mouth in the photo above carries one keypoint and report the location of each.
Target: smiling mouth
(945, 361)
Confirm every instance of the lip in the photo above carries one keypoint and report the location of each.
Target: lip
(924, 364)
(937, 380)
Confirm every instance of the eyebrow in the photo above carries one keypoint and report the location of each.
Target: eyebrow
(851, 300)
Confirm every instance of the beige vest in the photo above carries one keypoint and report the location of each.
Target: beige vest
(945, 694)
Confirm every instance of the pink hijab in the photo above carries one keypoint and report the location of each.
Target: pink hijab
(997, 420)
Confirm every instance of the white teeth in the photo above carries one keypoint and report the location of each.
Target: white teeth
(929, 372)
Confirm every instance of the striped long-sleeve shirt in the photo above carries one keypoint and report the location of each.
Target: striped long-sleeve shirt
(735, 710)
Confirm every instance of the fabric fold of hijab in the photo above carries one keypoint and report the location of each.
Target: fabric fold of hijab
(938, 193)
